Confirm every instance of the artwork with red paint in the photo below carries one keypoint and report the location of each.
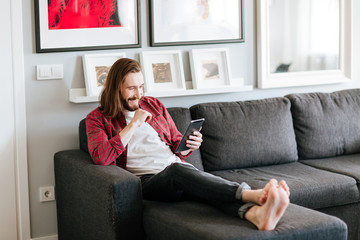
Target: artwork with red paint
(70, 14)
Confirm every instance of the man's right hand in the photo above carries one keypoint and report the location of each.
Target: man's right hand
(140, 117)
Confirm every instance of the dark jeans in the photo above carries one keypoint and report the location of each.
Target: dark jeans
(183, 181)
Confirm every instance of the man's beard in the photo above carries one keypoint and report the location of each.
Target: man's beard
(126, 105)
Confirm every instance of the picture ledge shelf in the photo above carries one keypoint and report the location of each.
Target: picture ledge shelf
(78, 95)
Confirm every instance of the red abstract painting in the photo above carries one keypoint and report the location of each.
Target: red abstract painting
(70, 14)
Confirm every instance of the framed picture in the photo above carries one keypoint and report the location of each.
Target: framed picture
(210, 68)
(96, 69)
(195, 22)
(163, 71)
(73, 25)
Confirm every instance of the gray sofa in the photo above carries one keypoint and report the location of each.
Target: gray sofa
(310, 140)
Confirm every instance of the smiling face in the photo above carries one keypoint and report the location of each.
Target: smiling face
(132, 90)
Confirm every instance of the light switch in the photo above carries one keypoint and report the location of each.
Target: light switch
(45, 72)
(48, 72)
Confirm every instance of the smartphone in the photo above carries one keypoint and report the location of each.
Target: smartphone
(194, 125)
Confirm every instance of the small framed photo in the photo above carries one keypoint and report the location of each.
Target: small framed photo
(210, 68)
(195, 22)
(163, 71)
(63, 25)
(96, 69)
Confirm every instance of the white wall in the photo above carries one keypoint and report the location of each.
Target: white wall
(7, 129)
(52, 121)
(14, 204)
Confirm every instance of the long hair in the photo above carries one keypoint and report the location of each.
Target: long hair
(110, 98)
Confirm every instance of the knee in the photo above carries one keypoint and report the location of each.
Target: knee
(174, 167)
(180, 167)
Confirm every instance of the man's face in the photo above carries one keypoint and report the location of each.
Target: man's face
(132, 91)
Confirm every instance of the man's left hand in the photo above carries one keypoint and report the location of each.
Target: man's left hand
(194, 142)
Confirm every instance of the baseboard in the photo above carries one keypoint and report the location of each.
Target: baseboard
(54, 237)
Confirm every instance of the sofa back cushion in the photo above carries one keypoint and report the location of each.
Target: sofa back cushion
(326, 124)
(181, 117)
(82, 136)
(246, 134)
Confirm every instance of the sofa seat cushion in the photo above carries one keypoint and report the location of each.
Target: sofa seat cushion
(326, 124)
(246, 134)
(348, 165)
(309, 186)
(193, 221)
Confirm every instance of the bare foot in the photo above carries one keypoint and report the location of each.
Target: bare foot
(267, 216)
(265, 191)
(283, 185)
(259, 196)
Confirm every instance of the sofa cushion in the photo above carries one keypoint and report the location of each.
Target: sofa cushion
(326, 124)
(182, 118)
(194, 221)
(350, 214)
(348, 165)
(310, 187)
(246, 134)
(83, 136)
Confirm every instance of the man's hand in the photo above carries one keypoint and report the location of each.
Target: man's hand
(140, 117)
(194, 142)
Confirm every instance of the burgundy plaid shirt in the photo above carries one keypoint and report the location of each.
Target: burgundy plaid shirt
(104, 140)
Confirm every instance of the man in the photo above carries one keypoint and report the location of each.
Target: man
(137, 133)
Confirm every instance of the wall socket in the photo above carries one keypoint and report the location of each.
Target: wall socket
(47, 194)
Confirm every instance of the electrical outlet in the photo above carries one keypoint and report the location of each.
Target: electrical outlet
(47, 194)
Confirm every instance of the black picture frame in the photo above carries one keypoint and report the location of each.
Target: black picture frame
(162, 33)
(82, 39)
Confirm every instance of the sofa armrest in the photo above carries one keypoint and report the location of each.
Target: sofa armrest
(96, 202)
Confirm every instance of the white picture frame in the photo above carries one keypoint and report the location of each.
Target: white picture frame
(210, 68)
(272, 79)
(96, 67)
(163, 71)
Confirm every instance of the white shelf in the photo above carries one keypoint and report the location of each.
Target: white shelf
(78, 95)
(192, 92)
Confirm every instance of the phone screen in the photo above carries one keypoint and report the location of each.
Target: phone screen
(194, 125)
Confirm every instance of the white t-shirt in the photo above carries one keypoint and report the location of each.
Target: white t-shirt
(147, 153)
